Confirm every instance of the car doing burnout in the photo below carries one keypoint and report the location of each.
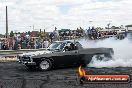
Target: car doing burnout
(62, 54)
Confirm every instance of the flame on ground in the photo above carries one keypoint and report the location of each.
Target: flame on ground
(81, 71)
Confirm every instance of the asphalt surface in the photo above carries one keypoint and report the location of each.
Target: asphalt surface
(14, 75)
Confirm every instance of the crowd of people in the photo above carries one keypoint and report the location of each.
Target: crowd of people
(23, 43)
(95, 34)
(102, 35)
(45, 39)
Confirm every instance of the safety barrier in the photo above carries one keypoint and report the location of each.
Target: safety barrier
(15, 52)
(11, 55)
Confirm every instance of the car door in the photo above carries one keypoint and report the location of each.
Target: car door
(70, 57)
(66, 58)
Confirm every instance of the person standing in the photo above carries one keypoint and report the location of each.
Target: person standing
(46, 43)
(56, 34)
(0, 45)
(51, 36)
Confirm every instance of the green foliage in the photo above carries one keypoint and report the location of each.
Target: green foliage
(11, 34)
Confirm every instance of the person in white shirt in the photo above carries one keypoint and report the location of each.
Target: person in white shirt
(46, 43)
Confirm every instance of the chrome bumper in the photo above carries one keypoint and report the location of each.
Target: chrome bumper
(27, 63)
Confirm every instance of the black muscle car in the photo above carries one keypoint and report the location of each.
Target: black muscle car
(62, 54)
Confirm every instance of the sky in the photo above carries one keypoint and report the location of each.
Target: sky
(46, 14)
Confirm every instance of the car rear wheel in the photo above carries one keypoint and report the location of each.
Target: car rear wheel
(104, 57)
(45, 65)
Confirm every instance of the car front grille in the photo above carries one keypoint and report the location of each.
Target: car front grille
(25, 59)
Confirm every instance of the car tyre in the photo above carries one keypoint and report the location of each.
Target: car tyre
(45, 65)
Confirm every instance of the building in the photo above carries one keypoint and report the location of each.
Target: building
(129, 27)
(113, 28)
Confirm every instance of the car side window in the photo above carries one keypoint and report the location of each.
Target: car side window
(62, 46)
(66, 47)
(70, 47)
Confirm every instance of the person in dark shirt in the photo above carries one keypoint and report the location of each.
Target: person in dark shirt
(51, 36)
(72, 47)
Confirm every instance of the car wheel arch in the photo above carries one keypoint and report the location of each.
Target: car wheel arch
(49, 58)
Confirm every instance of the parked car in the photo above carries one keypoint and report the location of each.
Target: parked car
(62, 54)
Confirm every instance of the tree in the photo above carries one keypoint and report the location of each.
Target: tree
(29, 32)
(11, 34)
(19, 33)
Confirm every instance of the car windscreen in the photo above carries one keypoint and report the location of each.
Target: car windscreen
(61, 46)
(56, 46)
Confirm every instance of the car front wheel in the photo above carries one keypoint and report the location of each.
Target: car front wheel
(45, 65)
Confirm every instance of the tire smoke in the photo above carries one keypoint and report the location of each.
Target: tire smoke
(122, 52)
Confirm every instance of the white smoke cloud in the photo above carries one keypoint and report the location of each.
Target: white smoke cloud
(122, 52)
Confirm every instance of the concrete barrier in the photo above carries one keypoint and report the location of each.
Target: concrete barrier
(11, 55)
(8, 59)
(15, 52)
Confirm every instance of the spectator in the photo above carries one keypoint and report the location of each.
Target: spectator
(0, 45)
(51, 36)
(56, 35)
(19, 46)
(28, 46)
(11, 47)
(46, 43)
